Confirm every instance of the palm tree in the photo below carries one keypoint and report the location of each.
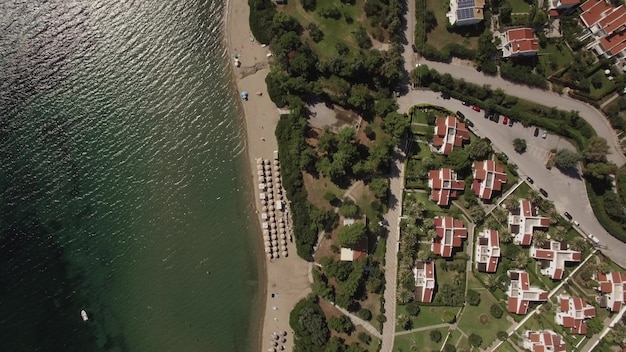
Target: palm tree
(533, 196)
(511, 202)
(404, 296)
(428, 223)
(489, 281)
(492, 223)
(539, 238)
(424, 254)
(506, 236)
(431, 234)
(579, 244)
(521, 260)
(553, 215)
(559, 234)
(500, 214)
(403, 321)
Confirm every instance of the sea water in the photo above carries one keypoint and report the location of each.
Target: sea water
(122, 184)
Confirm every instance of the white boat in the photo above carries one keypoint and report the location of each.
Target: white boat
(83, 315)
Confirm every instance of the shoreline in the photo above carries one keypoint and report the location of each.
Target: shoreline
(285, 280)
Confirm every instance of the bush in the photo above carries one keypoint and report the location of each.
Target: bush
(365, 338)
(435, 336)
(473, 297)
(475, 340)
(315, 32)
(413, 308)
(448, 317)
(449, 348)
(502, 335)
(364, 314)
(496, 311)
(261, 18)
(309, 5)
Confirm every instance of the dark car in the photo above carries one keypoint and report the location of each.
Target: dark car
(414, 48)
(530, 180)
(460, 115)
(543, 191)
(495, 118)
(469, 123)
(511, 122)
(465, 103)
(445, 96)
(536, 133)
(568, 216)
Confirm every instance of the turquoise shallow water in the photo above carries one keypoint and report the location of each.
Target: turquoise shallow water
(122, 184)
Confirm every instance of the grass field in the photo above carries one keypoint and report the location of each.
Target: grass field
(553, 56)
(606, 87)
(478, 319)
(522, 190)
(335, 31)
(428, 316)
(431, 207)
(519, 6)
(418, 341)
(440, 36)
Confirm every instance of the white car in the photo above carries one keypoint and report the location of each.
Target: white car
(544, 135)
(594, 239)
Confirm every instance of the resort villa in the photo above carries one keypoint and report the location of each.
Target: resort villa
(450, 235)
(572, 313)
(424, 273)
(487, 251)
(612, 290)
(488, 177)
(520, 293)
(543, 341)
(606, 26)
(553, 255)
(449, 133)
(444, 185)
(519, 42)
(358, 250)
(465, 12)
(523, 220)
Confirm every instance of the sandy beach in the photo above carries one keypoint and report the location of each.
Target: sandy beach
(287, 277)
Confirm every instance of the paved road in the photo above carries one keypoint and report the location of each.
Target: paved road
(391, 255)
(547, 98)
(567, 192)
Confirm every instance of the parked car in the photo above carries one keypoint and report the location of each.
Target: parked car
(475, 108)
(505, 120)
(414, 48)
(445, 96)
(469, 123)
(465, 103)
(543, 191)
(530, 180)
(495, 118)
(511, 122)
(544, 134)
(536, 133)
(460, 115)
(576, 223)
(568, 216)
(594, 239)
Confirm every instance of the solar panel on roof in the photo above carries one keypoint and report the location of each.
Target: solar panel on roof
(464, 14)
(465, 4)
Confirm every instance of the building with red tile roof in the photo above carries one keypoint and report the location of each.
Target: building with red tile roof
(488, 177)
(450, 235)
(572, 313)
(449, 133)
(356, 251)
(543, 341)
(611, 286)
(444, 185)
(521, 293)
(519, 42)
(523, 220)
(424, 273)
(553, 255)
(487, 251)
(606, 25)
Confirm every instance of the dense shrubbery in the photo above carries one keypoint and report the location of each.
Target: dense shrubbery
(386, 14)
(309, 326)
(261, 15)
(522, 74)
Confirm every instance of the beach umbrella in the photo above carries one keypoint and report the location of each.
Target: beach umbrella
(263, 202)
(268, 250)
(260, 172)
(281, 220)
(282, 230)
(277, 179)
(262, 195)
(273, 255)
(272, 225)
(274, 243)
(269, 256)
(267, 243)
(284, 333)
(284, 340)
(276, 168)
(283, 236)
(264, 216)
(259, 167)
(273, 231)
(261, 186)
(266, 238)
(276, 161)
(264, 225)
(266, 232)
(271, 350)
(283, 242)
(278, 173)
(270, 195)
(264, 209)
(244, 95)
(283, 248)
(259, 161)
(274, 237)
(285, 253)
(267, 161)
(281, 225)
(261, 178)
(276, 154)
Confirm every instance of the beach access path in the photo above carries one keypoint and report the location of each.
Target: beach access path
(286, 277)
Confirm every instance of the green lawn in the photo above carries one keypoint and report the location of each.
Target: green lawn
(506, 346)
(335, 31)
(440, 36)
(604, 89)
(522, 190)
(519, 6)
(554, 58)
(418, 341)
(428, 315)
(478, 319)
(430, 206)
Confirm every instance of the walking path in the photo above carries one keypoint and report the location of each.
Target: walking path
(424, 328)
(597, 338)
(396, 186)
(358, 321)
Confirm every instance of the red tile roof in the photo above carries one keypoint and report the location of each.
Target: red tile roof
(444, 185)
(449, 133)
(488, 177)
(520, 40)
(450, 233)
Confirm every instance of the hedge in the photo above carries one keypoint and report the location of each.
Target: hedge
(597, 204)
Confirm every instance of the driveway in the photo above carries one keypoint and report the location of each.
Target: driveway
(568, 192)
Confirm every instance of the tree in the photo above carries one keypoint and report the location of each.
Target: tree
(521, 260)
(351, 234)
(364, 314)
(496, 311)
(505, 236)
(580, 244)
(473, 297)
(435, 336)
(348, 209)
(413, 308)
(479, 150)
(477, 213)
(404, 295)
(599, 171)
(403, 321)
(566, 159)
(519, 144)
(385, 106)
(365, 338)
(396, 124)
(380, 187)
(597, 149)
(459, 160)
(539, 238)
(341, 324)
(475, 340)
(309, 325)
(594, 326)
(502, 335)
(449, 348)
(534, 196)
